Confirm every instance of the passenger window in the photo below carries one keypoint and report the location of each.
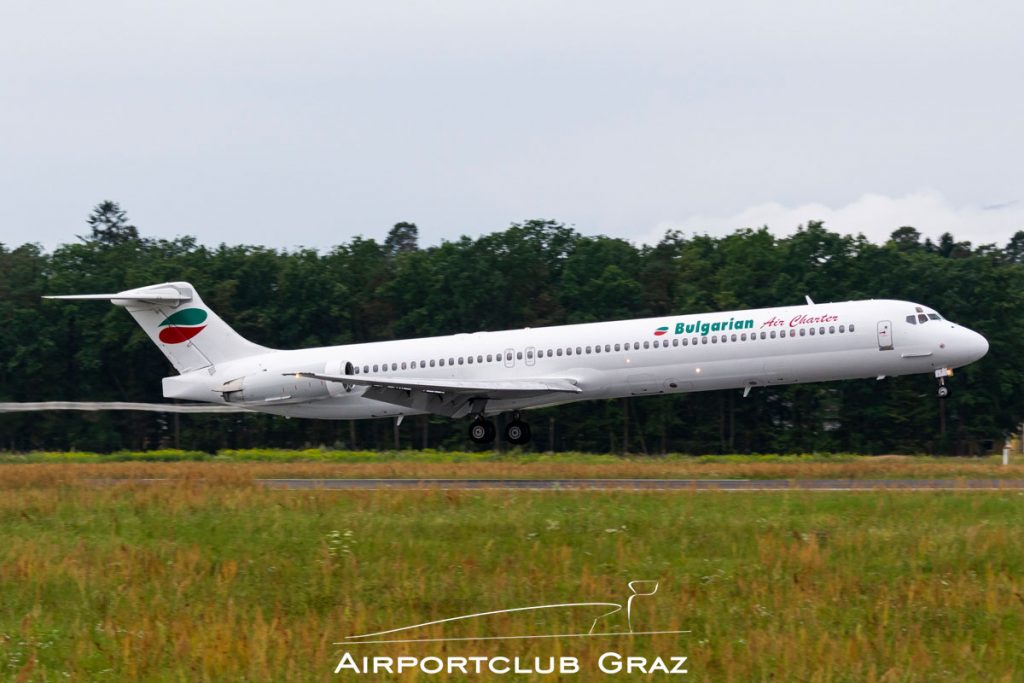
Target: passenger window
(618, 347)
(714, 339)
(656, 344)
(831, 329)
(821, 330)
(579, 351)
(636, 346)
(607, 348)
(842, 328)
(558, 352)
(432, 361)
(403, 365)
(694, 341)
(588, 349)
(811, 331)
(703, 340)
(529, 354)
(597, 349)
(461, 360)
(451, 361)
(550, 353)
(394, 366)
(803, 332)
(366, 368)
(734, 337)
(685, 341)
(441, 362)
(851, 327)
(423, 363)
(764, 335)
(508, 355)
(792, 333)
(568, 351)
(375, 368)
(647, 345)
(675, 342)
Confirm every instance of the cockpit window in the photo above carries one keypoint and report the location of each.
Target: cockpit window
(922, 317)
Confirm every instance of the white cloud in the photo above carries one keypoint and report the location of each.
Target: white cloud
(874, 215)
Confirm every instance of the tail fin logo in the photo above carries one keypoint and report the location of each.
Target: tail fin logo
(182, 325)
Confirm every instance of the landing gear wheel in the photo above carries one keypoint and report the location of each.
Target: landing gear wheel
(482, 431)
(517, 432)
(941, 374)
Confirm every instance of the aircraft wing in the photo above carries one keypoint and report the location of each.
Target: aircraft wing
(453, 398)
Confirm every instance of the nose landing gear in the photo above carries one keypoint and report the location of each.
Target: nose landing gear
(942, 374)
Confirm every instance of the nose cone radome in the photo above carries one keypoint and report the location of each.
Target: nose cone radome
(978, 345)
(967, 346)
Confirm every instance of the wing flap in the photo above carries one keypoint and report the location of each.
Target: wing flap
(511, 388)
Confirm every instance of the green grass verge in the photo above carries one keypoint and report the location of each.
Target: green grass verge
(428, 456)
(197, 582)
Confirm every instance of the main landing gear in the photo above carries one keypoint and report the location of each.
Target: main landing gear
(482, 431)
(942, 374)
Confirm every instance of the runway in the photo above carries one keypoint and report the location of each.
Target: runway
(648, 484)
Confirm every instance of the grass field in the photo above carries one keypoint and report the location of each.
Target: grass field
(210, 577)
(242, 466)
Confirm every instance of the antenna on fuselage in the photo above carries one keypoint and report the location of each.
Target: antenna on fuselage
(809, 302)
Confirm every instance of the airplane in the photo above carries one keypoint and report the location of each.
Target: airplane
(482, 374)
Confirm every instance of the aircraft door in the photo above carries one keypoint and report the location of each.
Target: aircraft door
(510, 358)
(884, 335)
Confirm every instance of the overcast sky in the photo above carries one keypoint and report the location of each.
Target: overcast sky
(306, 123)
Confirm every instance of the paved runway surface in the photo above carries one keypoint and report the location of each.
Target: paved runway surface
(653, 484)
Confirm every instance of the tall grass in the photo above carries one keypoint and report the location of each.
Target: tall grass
(214, 578)
(52, 468)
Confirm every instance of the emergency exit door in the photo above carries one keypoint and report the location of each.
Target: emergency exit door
(884, 335)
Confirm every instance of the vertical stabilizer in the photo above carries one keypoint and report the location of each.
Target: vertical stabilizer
(174, 316)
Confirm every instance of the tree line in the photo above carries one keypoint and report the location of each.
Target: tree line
(530, 274)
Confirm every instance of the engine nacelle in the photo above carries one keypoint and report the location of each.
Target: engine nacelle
(270, 386)
(338, 367)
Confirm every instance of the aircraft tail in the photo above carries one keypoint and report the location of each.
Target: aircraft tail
(190, 334)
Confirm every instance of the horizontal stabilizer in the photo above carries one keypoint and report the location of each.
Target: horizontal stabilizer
(157, 295)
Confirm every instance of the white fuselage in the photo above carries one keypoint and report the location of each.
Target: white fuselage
(664, 355)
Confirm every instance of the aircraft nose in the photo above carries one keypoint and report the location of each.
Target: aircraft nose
(978, 344)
